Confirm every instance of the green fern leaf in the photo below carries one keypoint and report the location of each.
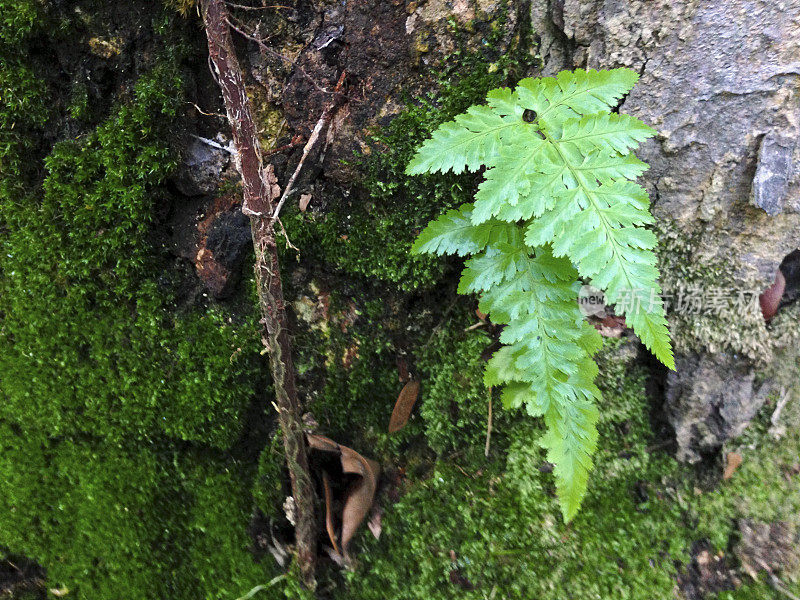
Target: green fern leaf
(605, 133)
(558, 203)
(588, 92)
(570, 441)
(454, 233)
(573, 94)
(608, 168)
(464, 143)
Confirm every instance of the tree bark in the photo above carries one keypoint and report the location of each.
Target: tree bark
(260, 194)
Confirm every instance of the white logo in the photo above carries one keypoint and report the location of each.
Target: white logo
(592, 302)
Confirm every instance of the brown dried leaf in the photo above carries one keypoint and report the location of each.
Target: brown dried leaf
(403, 406)
(304, 200)
(611, 326)
(770, 299)
(326, 487)
(360, 495)
(733, 461)
(320, 442)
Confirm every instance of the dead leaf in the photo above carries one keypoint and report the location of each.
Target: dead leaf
(375, 520)
(326, 487)
(360, 495)
(304, 200)
(480, 314)
(320, 442)
(611, 326)
(770, 299)
(403, 406)
(733, 461)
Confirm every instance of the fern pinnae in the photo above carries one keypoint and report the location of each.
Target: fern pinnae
(558, 203)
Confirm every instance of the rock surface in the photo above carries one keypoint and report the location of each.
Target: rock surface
(719, 81)
(773, 173)
(710, 399)
(201, 167)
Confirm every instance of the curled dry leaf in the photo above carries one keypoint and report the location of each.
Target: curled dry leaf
(733, 461)
(326, 487)
(361, 493)
(320, 442)
(403, 406)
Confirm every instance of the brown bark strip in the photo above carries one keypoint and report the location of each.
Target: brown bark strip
(260, 193)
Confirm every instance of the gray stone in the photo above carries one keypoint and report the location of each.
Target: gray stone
(715, 77)
(710, 399)
(720, 83)
(771, 182)
(201, 168)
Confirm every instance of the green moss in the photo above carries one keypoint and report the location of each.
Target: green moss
(87, 512)
(17, 20)
(746, 495)
(111, 397)
(23, 113)
(269, 489)
(733, 324)
(182, 6)
(455, 402)
(78, 306)
(496, 524)
(217, 561)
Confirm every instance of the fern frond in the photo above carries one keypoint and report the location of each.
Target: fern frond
(605, 133)
(464, 143)
(607, 168)
(558, 203)
(454, 233)
(570, 441)
(588, 92)
(573, 94)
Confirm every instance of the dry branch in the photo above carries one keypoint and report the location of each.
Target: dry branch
(260, 194)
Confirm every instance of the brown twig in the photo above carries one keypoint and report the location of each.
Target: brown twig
(207, 114)
(243, 7)
(322, 122)
(297, 141)
(260, 191)
(288, 241)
